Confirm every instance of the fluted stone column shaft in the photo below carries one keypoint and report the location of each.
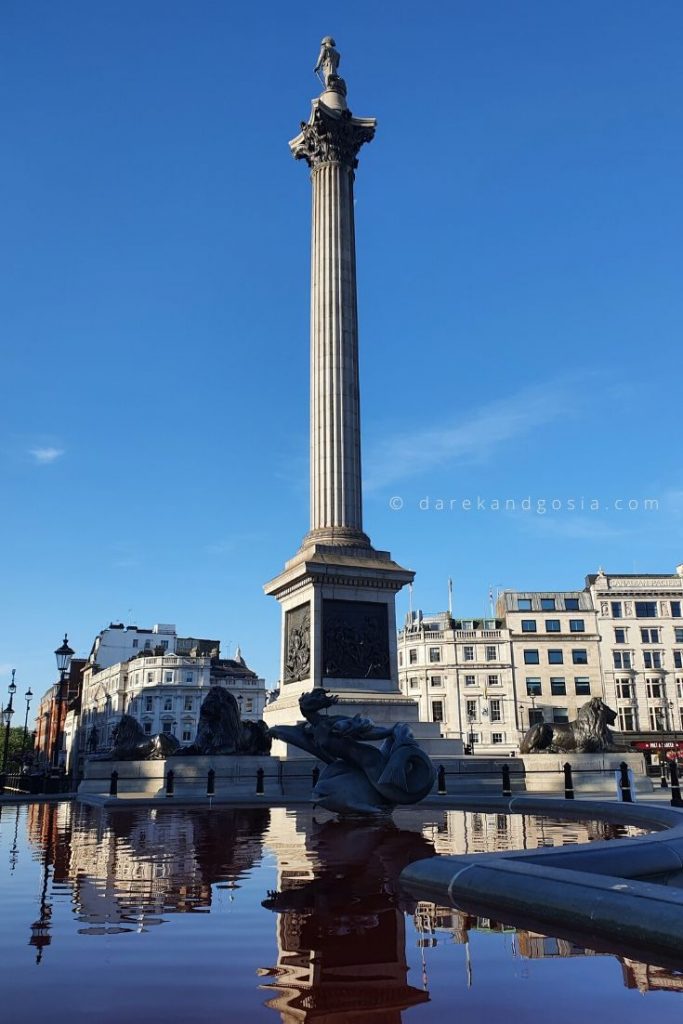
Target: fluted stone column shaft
(336, 502)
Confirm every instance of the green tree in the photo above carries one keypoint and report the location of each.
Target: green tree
(16, 740)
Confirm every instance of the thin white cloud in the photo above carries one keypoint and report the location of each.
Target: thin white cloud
(479, 433)
(44, 456)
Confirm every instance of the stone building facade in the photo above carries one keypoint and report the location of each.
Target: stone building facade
(546, 654)
(555, 645)
(460, 673)
(162, 684)
(641, 644)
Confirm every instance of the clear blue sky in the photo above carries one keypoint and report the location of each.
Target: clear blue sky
(519, 232)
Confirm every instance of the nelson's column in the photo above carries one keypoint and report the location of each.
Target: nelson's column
(337, 593)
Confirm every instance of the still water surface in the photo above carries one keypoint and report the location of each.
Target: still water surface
(262, 914)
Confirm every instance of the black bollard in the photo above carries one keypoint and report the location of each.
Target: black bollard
(170, 783)
(441, 781)
(675, 786)
(662, 782)
(625, 783)
(568, 782)
(211, 782)
(259, 781)
(315, 775)
(114, 784)
(507, 788)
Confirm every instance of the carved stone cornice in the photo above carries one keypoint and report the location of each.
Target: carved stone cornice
(332, 136)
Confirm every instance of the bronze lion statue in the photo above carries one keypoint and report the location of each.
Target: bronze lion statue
(588, 734)
(131, 743)
(221, 730)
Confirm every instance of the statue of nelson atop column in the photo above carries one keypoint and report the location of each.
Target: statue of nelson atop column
(326, 68)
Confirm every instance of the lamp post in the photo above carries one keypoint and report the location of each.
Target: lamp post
(27, 698)
(63, 654)
(672, 718)
(7, 718)
(471, 718)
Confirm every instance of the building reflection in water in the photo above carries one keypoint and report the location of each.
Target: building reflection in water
(340, 919)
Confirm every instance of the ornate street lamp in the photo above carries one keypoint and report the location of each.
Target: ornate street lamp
(63, 654)
(27, 698)
(7, 719)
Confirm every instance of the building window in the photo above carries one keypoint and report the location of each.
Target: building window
(533, 686)
(147, 728)
(582, 686)
(149, 703)
(188, 677)
(435, 654)
(679, 635)
(560, 716)
(496, 737)
(552, 625)
(616, 609)
(622, 659)
(620, 636)
(558, 686)
(627, 720)
(187, 735)
(471, 709)
(524, 604)
(135, 643)
(150, 677)
(646, 609)
(535, 716)
(579, 656)
(555, 657)
(528, 625)
(400, 657)
(412, 656)
(169, 677)
(491, 654)
(654, 689)
(678, 659)
(531, 657)
(649, 636)
(675, 609)
(494, 680)
(548, 604)
(168, 728)
(495, 711)
(437, 711)
(168, 704)
(414, 683)
(624, 689)
(577, 626)
(652, 659)
(470, 680)
(468, 653)
(657, 720)
(571, 604)
(188, 704)
(435, 681)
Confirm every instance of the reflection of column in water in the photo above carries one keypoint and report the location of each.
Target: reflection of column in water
(341, 933)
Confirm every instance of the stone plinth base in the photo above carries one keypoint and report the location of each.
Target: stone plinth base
(235, 777)
(591, 773)
(383, 708)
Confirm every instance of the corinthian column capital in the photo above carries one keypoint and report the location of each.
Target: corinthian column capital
(332, 136)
